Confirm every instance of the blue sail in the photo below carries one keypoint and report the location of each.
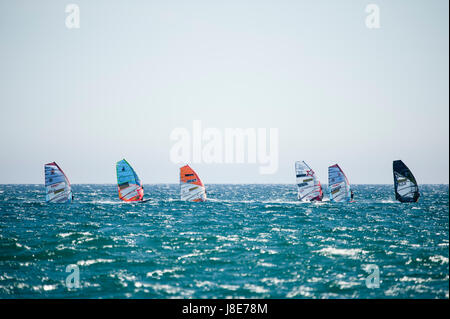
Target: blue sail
(128, 183)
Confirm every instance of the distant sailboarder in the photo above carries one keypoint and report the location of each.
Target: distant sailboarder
(57, 185)
(129, 185)
(309, 187)
(338, 185)
(191, 186)
(405, 185)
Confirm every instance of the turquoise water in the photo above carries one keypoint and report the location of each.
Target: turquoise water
(250, 241)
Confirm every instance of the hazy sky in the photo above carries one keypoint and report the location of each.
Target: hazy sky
(135, 70)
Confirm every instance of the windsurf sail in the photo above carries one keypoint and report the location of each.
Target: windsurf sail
(309, 188)
(191, 186)
(128, 183)
(338, 185)
(405, 185)
(57, 185)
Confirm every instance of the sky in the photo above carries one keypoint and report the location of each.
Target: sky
(117, 86)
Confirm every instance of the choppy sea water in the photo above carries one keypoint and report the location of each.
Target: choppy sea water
(247, 241)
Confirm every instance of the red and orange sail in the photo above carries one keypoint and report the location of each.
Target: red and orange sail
(191, 186)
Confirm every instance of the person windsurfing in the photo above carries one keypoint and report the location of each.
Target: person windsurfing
(351, 194)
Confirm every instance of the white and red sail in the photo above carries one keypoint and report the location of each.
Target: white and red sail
(309, 187)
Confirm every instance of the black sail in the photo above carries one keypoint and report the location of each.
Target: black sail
(405, 185)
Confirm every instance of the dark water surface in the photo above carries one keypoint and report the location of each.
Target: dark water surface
(250, 241)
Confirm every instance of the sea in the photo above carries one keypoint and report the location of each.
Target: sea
(246, 241)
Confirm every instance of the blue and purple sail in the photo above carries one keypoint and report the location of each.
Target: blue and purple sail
(57, 185)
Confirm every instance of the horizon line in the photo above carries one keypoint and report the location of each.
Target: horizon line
(294, 184)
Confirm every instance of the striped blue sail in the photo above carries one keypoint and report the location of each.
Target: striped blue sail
(57, 185)
(338, 185)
